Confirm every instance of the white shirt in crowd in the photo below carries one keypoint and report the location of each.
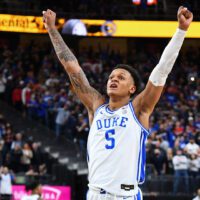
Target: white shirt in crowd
(192, 148)
(2, 84)
(62, 116)
(194, 165)
(180, 162)
(32, 197)
(196, 198)
(6, 184)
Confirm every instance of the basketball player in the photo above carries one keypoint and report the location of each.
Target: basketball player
(119, 128)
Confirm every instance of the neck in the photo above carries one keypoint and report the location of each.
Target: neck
(115, 103)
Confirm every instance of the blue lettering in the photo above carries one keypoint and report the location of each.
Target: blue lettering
(105, 124)
(115, 121)
(99, 124)
(124, 119)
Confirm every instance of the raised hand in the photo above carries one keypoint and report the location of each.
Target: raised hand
(49, 19)
(185, 18)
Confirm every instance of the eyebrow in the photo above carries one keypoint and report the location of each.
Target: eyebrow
(121, 73)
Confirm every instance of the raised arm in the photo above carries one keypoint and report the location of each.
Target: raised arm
(87, 94)
(147, 99)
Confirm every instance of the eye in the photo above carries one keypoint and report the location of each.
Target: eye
(121, 78)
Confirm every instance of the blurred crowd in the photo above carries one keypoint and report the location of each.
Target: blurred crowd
(33, 81)
(19, 153)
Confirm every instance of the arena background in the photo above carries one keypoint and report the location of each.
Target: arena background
(34, 90)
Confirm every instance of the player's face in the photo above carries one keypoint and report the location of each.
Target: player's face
(120, 83)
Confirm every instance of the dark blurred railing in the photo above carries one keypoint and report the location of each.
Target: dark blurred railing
(126, 11)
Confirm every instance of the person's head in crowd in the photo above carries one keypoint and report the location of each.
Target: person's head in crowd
(35, 145)
(18, 136)
(191, 140)
(198, 192)
(35, 187)
(4, 170)
(179, 152)
(193, 156)
(26, 146)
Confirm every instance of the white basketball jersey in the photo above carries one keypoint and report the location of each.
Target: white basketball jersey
(116, 151)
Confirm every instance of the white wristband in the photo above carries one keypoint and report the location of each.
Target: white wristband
(160, 73)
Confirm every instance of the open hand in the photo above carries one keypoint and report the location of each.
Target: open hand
(49, 18)
(185, 18)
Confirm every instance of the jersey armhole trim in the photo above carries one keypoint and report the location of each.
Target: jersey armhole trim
(136, 119)
(97, 110)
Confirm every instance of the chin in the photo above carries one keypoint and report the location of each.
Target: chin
(113, 93)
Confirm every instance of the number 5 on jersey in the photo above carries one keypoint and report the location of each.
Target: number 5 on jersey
(109, 135)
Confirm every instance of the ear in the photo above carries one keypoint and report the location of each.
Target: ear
(132, 89)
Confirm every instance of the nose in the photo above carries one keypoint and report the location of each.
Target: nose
(114, 79)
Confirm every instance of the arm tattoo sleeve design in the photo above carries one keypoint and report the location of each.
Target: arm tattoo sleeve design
(61, 49)
(81, 84)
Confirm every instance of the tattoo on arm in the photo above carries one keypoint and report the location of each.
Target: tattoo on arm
(62, 50)
(81, 84)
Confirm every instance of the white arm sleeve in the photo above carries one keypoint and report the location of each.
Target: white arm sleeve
(160, 73)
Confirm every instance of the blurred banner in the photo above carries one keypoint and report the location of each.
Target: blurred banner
(24, 24)
(99, 28)
(126, 28)
(48, 192)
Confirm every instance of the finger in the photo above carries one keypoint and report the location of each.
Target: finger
(182, 11)
(180, 8)
(51, 12)
(188, 14)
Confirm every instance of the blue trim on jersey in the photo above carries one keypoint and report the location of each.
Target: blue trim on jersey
(97, 110)
(139, 158)
(132, 109)
(109, 111)
(139, 195)
(143, 161)
(88, 158)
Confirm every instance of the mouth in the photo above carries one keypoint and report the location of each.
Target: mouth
(113, 86)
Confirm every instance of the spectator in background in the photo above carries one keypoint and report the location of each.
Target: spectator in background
(192, 147)
(6, 183)
(61, 119)
(17, 141)
(8, 139)
(27, 155)
(198, 195)
(16, 154)
(169, 169)
(37, 158)
(26, 95)
(193, 165)
(180, 163)
(159, 159)
(82, 133)
(2, 85)
(36, 191)
(17, 96)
